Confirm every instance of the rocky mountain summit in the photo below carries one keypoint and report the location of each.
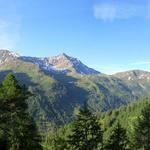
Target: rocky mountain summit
(134, 75)
(6, 55)
(61, 63)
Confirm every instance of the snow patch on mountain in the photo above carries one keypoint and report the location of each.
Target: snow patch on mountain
(6, 55)
(134, 75)
(61, 63)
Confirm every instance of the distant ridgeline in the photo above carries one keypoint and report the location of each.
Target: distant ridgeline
(62, 83)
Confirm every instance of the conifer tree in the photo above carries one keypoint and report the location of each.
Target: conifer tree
(18, 131)
(118, 139)
(86, 132)
(142, 130)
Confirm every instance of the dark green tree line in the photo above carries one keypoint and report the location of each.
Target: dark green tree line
(142, 130)
(118, 139)
(17, 130)
(86, 133)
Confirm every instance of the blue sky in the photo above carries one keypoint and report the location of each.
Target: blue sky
(108, 35)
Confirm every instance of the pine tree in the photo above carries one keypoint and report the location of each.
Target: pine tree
(86, 132)
(18, 131)
(142, 130)
(118, 139)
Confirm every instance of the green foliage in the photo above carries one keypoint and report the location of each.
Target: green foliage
(17, 130)
(118, 139)
(128, 134)
(57, 95)
(142, 129)
(57, 139)
(86, 131)
(126, 115)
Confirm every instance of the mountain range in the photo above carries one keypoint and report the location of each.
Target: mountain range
(61, 63)
(62, 83)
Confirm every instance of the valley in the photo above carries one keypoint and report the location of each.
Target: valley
(63, 83)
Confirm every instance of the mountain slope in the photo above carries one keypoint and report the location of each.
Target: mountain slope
(126, 115)
(57, 94)
(61, 63)
(137, 80)
(57, 97)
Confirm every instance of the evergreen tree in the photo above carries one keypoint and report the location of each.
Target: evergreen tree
(18, 130)
(55, 142)
(142, 130)
(118, 139)
(86, 132)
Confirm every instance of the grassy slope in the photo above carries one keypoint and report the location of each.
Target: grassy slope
(58, 95)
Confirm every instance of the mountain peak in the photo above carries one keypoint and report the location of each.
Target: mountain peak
(6, 55)
(8, 52)
(68, 63)
(134, 75)
(62, 63)
(63, 54)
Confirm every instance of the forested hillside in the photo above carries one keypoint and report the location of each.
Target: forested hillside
(126, 128)
(18, 130)
(59, 93)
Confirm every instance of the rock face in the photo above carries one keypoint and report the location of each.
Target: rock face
(61, 63)
(134, 75)
(6, 55)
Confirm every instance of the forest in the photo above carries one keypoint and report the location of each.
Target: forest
(124, 128)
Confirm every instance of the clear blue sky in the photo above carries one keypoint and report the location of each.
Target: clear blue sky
(108, 35)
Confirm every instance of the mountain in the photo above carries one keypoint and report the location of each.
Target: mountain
(6, 56)
(62, 83)
(137, 80)
(61, 63)
(134, 75)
